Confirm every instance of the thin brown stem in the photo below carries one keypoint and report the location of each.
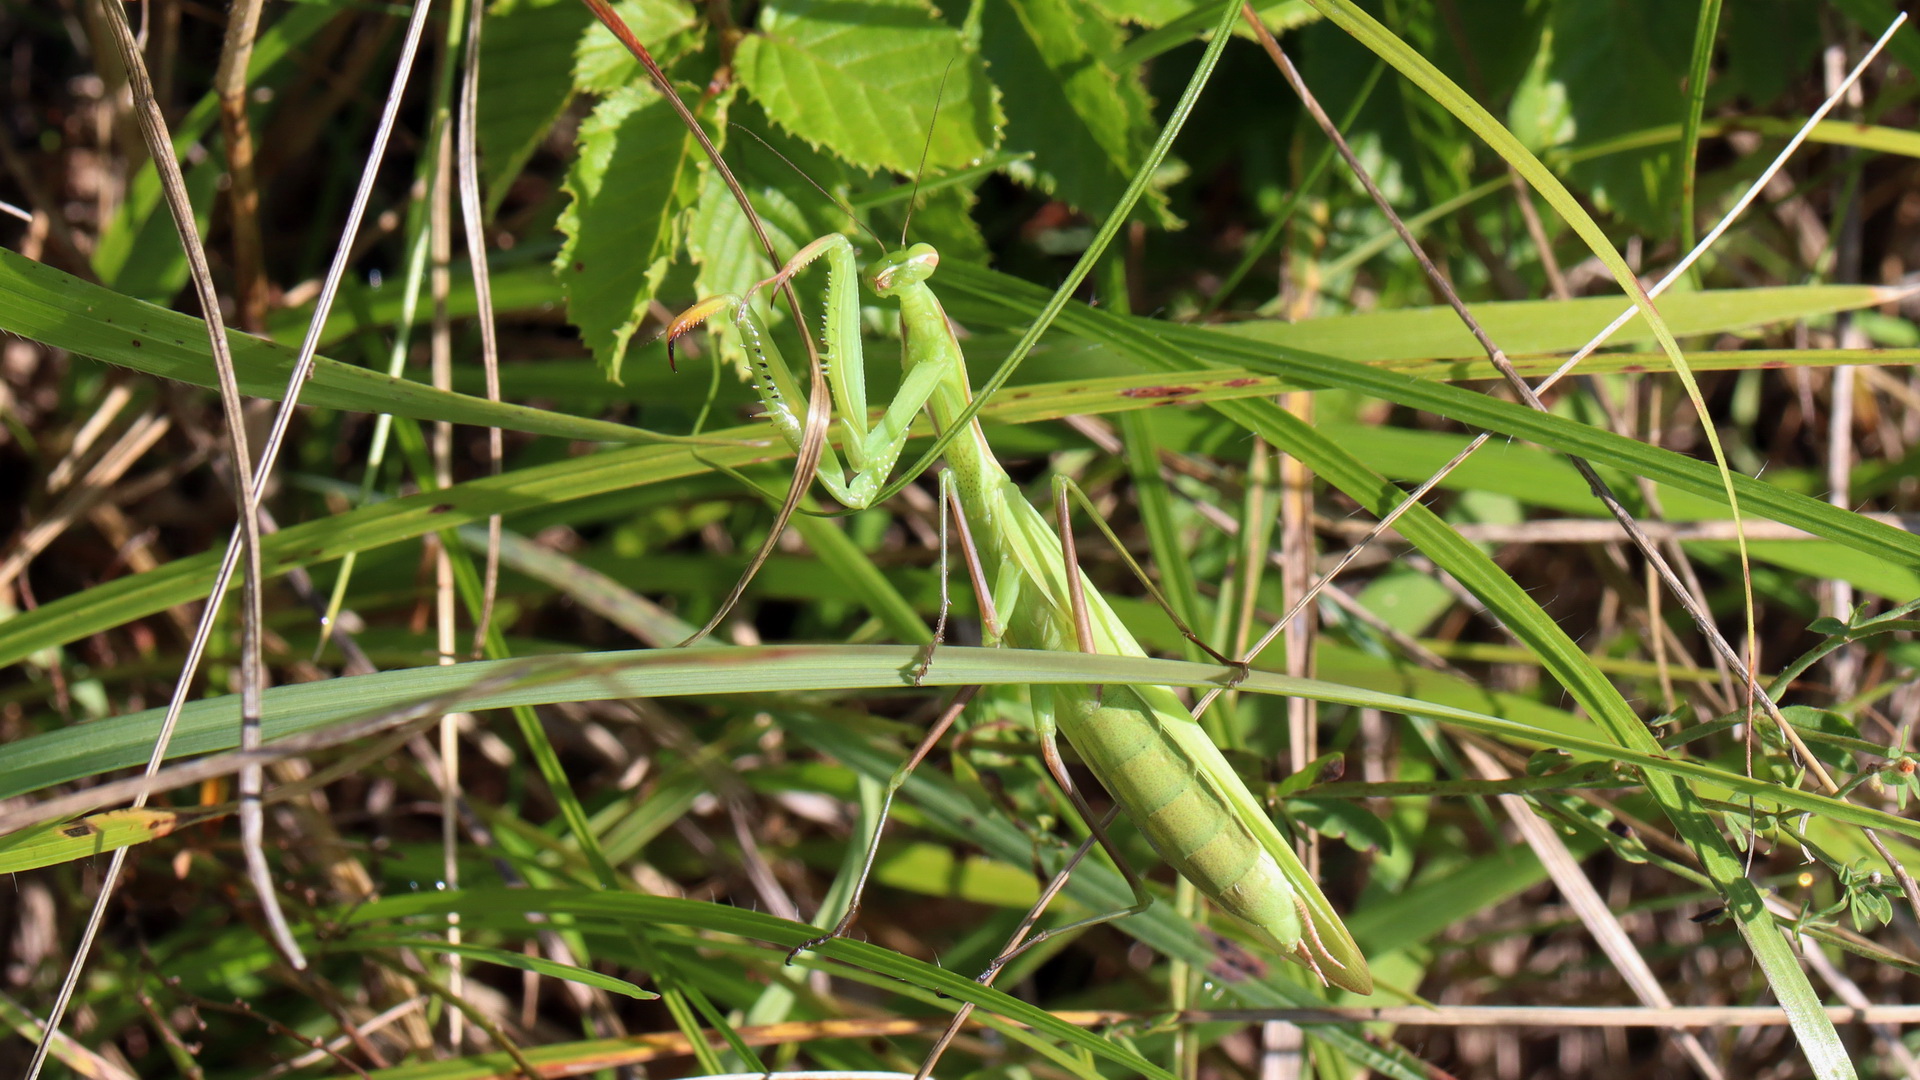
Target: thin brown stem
(473, 219)
(814, 435)
(243, 193)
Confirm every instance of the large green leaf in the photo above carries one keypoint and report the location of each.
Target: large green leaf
(1086, 125)
(526, 79)
(602, 64)
(1606, 70)
(722, 242)
(635, 173)
(1765, 43)
(863, 80)
(58, 309)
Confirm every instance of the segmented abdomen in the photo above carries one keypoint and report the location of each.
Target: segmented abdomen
(1159, 770)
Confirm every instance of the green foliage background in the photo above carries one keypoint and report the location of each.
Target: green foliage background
(1251, 266)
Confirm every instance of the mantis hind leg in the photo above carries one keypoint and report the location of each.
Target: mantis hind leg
(1097, 829)
(1020, 942)
(952, 712)
(1014, 946)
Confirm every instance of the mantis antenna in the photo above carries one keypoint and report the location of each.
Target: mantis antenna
(815, 184)
(921, 170)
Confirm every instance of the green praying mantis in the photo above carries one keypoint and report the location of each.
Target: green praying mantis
(1140, 742)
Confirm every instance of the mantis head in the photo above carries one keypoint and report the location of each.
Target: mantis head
(897, 270)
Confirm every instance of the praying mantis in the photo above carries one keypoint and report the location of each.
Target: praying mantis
(1140, 742)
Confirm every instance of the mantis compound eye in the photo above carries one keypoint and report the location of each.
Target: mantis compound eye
(902, 268)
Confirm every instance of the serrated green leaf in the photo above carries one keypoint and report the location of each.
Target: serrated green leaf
(719, 238)
(862, 81)
(722, 243)
(1149, 13)
(629, 182)
(1086, 126)
(526, 79)
(602, 65)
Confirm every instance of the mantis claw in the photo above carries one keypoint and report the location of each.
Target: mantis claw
(690, 320)
(924, 663)
(807, 946)
(1305, 956)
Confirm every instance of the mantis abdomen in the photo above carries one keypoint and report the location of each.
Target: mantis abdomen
(1178, 789)
(1162, 774)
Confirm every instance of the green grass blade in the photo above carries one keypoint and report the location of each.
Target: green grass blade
(60, 310)
(210, 725)
(539, 965)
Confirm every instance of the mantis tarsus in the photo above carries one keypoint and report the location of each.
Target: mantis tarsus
(1139, 741)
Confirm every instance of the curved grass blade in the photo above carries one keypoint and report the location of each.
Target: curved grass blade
(210, 725)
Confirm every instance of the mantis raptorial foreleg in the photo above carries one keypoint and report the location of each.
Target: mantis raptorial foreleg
(871, 450)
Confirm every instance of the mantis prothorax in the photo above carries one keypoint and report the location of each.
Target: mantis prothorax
(1139, 741)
